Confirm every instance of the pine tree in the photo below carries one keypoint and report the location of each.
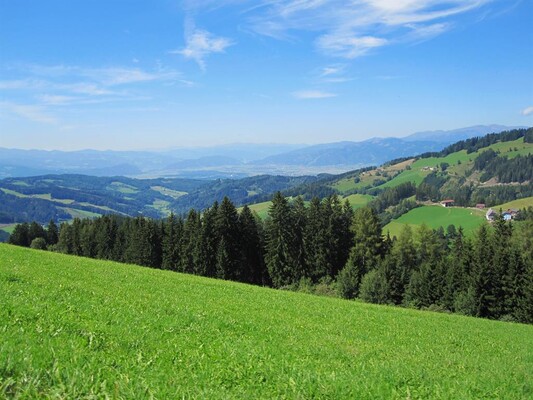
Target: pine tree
(280, 259)
(172, 232)
(20, 235)
(404, 255)
(483, 278)
(209, 239)
(52, 233)
(229, 261)
(365, 254)
(315, 241)
(190, 243)
(252, 252)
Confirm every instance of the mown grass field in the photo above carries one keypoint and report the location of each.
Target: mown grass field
(80, 328)
(260, 208)
(358, 200)
(437, 216)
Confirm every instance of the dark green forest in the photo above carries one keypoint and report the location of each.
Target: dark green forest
(324, 247)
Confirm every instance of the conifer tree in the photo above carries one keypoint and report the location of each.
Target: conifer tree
(209, 239)
(315, 241)
(365, 254)
(52, 233)
(190, 243)
(172, 233)
(280, 259)
(20, 235)
(229, 261)
(252, 252)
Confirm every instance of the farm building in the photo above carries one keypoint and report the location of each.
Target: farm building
(481, 206)
(447, 203)
(490, 215)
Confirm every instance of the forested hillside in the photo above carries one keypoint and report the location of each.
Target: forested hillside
(324, 247)
(64, 197)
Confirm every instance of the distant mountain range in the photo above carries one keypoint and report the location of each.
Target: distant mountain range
(455, 135)
(234, 160)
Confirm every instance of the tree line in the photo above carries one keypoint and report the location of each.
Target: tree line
(323, 242)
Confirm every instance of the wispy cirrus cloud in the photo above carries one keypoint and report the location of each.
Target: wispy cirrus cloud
(351, 29)
(41, 88)
(35, 113)
(200, 44)
(527, 111)
(312, 94)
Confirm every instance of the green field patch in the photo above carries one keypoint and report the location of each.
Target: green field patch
(81, 328)
(20, 183)
(42, 196)
(175, 194)
(13, 193)
(7, 228)
(103, 208)
(437, 216)
(260, 208)
(75, 213)
(122, 188)
(510, 149)
(162, 206)
(520, 203)
(358, 200)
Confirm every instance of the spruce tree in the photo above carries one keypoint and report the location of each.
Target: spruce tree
(229, 254)
(20, 235)
(209, 239)
(172, 232)
(52, 233)
(365, 254)
(190, 243)
(279, 235)
(252, 252)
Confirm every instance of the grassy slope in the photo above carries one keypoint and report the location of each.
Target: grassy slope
(358, 200)
(459, 163)
(520, 203)
(436, 216)
(73, 327)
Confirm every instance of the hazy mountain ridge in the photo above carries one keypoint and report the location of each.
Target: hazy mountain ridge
(232, 160)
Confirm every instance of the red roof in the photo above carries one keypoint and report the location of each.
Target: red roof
(448, 201)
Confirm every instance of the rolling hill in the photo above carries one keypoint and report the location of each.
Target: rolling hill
(79, 328)
(454, 172)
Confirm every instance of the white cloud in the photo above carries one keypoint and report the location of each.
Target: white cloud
(56, 100)
(348, 46)
(31, 112)
(200, 44)
(527, 111)
(350, 29)
(312, 94)
(332, 70)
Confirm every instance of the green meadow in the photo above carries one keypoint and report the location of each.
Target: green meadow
(81, 328)
(520, 203)
(436, 216)
(358, 200)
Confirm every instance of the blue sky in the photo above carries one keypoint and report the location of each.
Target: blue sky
(132, 74)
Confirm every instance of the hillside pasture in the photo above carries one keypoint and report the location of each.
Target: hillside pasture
(358, 200)
(436, 216)
(520, 203)
(80, 328)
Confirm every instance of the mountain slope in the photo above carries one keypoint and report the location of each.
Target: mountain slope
(370, 152)
(451, 136)
(101, 329)
(377, 150)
